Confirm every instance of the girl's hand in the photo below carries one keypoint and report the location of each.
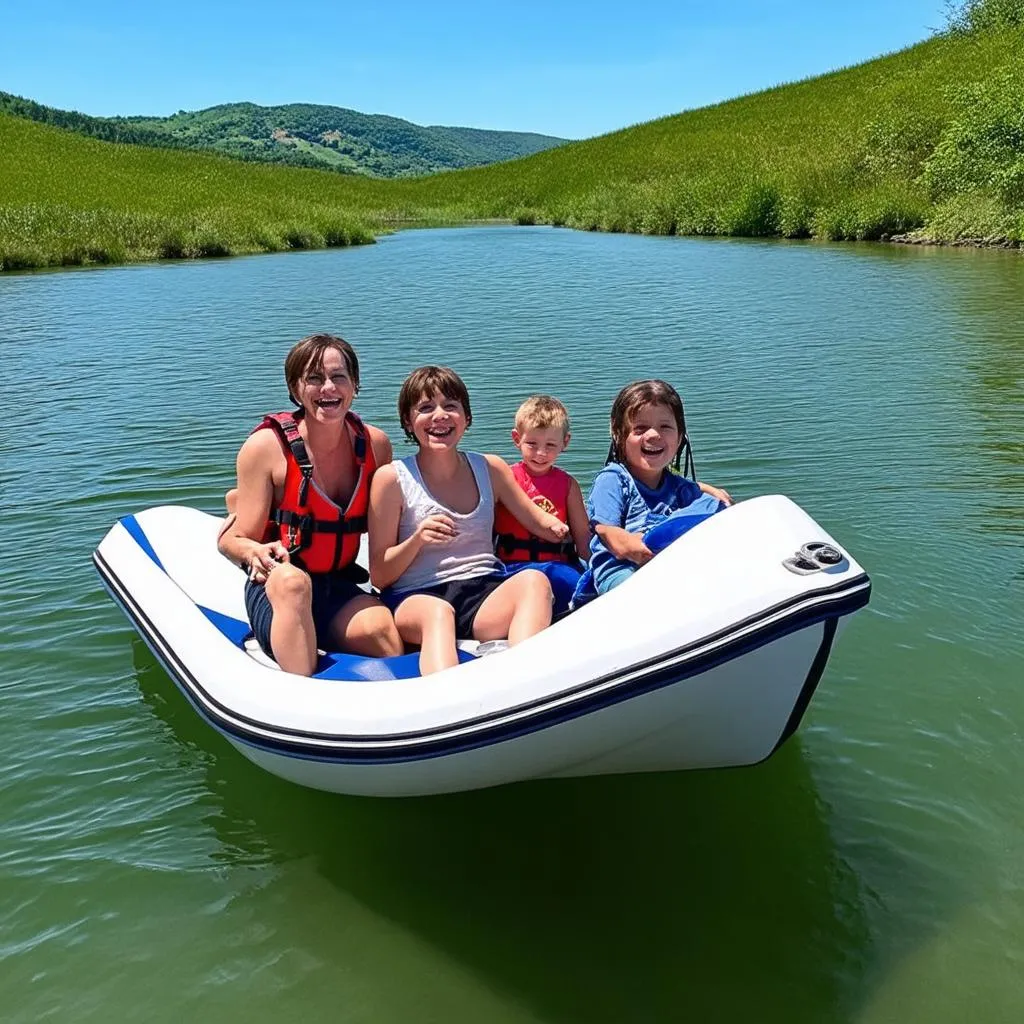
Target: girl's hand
(436, 529)
(717, 492)
(557, 530)
(633, 549)
(263, 559)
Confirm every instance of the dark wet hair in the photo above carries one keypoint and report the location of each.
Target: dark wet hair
(307, 356)
(630, 400)
(424, 382)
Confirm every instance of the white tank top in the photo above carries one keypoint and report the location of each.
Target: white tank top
(470, 553)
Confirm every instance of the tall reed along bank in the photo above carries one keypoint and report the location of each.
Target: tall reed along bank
(925, 144)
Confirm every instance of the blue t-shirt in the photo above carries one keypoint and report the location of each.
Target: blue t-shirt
(619, 499)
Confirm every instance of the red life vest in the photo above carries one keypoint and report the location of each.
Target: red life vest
(513, 542)
(320, 536)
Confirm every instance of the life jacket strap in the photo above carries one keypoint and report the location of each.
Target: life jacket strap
(289, 428)
(534, 547)
(305, 524)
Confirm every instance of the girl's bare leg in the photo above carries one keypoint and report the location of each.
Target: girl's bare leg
(430, 622)
(364, 626)
(519, 608)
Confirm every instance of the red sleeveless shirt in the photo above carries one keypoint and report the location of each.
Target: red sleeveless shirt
(513, 542)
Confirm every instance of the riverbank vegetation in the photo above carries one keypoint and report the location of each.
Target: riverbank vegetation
(925, 144)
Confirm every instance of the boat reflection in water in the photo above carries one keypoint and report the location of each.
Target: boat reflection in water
(641, 897)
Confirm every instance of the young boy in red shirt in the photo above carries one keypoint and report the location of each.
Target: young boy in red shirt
(541, 434)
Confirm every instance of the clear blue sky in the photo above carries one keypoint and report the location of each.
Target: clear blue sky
(573, 69)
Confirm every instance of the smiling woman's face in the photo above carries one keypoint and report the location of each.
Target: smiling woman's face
(326, 391)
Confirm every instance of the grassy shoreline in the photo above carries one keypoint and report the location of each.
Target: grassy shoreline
(924, 146)
(86, 257)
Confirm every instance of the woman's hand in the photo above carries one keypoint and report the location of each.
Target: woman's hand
(436, 529)
(263, 558)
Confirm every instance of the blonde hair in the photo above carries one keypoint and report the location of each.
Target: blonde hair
(542, 412)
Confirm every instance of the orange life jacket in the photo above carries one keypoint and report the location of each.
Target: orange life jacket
(513, 542)
(320, 536)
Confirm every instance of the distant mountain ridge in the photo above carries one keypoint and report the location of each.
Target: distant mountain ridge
(302, 134)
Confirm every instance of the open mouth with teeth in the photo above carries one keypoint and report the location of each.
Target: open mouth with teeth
(440, 432)
(653, 452)
(328, 403)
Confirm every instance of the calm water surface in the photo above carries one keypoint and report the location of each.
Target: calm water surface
(872, 871)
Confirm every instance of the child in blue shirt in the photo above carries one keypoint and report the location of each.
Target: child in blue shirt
(636, 490)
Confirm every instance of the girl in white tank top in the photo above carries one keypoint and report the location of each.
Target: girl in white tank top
(469, 554)
(431, 521)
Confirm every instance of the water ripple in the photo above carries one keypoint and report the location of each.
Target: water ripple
(881, 389)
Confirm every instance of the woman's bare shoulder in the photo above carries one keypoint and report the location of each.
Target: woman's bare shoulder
(381, 444)
(261, 446)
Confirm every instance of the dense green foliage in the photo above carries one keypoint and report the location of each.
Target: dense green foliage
(925, 141)
(985, 15)
(303, 135)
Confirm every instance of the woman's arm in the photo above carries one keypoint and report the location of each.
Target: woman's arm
(579, 522)
(242, 540)
(514, 498)
(388, 558)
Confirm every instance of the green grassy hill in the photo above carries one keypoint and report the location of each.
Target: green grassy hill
(930, 139)
(302, 135)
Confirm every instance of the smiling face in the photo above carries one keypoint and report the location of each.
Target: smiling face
(326, 389)
(651, 443)
(429, 391)
(436, 421)
(540, 448)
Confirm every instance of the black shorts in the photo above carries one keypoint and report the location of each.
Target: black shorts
(465, 596)
(331, 592)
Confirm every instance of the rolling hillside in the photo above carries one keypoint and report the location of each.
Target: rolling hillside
(929, 140)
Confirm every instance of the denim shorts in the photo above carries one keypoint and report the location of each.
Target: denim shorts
(331, 592)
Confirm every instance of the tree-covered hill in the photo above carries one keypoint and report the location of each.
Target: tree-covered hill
(301, 134)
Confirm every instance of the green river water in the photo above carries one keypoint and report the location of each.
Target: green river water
(873, 870)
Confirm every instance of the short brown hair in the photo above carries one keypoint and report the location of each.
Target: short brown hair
(426, 380)
(542, 412)
(307, 356)
(631, 399)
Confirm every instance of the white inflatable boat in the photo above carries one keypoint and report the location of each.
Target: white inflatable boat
(706, 657)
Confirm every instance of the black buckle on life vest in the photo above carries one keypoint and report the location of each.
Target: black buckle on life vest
(534, 547)
(300, 528)
(307, 477)
(305, 524)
